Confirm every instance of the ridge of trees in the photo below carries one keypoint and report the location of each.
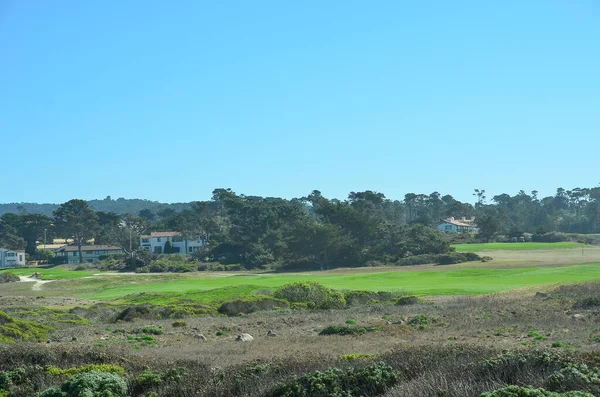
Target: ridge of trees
(313, 230)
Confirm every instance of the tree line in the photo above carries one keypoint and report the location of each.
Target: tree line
(313, 230)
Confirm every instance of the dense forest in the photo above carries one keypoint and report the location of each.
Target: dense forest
(257, 231)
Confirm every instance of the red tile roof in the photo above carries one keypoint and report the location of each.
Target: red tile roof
(162, 234)
(70, 248)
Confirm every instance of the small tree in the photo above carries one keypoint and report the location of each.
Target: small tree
(75, 219)
(168, 247)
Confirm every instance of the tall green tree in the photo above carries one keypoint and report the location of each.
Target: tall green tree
(75, 219)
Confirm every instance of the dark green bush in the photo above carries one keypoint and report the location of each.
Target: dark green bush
(342, 330)
(90, 384)
(440, 259)
(369, 381)
(151, 329)
(252, 304)
(552, 237)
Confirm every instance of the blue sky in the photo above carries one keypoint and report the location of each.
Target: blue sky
(169, 100)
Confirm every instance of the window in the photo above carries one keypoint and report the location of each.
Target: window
(158, 240)
(448, 228)
(20, 258)
(11, 254)
(74, 253)
(177, 239)
(190, 249)
(145, 240)
(158, 250)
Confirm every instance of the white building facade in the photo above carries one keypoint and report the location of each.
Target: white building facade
(155, 243)
(11, 258)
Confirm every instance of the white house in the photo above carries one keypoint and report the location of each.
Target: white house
(156, 241)
(90, 253)
(11, 258)
(452, 225)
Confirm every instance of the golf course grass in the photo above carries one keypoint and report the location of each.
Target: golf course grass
(480, 247)
(451, 282)
(53, 273)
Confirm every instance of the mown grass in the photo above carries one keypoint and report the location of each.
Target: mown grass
(452, 282)
(514, 246)
(54, 273)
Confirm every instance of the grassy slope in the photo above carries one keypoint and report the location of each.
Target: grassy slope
(451, 282)
(55, 273)
(514, 246)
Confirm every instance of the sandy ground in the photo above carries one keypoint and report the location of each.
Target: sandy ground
(37, 286)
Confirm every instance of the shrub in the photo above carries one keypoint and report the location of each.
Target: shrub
(552, 237)
(151, 329)
(334, 382)
(313, 294)
(299, 306)
(440, 259)
(154, 378)
(356, 356)
(179, 323)
(517, 391)
(575, 376)
(342, 330)
(8, 277)
(92, 383)
(368, 297)
(409, 300)
(111, 368)
(12, 329)
(252, 304)
(421, 319)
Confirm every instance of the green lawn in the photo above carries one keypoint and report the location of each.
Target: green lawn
(451, 282)
(514, 246)
(55, 273)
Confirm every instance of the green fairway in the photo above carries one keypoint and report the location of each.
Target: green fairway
(514, 246)
(55, 273)
(451, 282)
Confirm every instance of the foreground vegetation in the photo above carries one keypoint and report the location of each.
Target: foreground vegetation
(523, 344)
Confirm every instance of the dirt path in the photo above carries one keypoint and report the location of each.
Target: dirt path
(37, 286)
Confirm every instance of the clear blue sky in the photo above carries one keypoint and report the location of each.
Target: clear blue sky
(168, 100)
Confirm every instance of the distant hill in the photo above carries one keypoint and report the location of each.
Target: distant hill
(120, 206)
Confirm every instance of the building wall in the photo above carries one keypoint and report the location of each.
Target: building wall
(447, 227)
(12, 258)
(88, 256)
(156, 245)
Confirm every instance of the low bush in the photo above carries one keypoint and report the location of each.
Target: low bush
(112, 368)
(252, 304)
(179, 323)
(342, 330)
(517, 391)
(551, 237)
(409, 300)
(90, 384)
(313, 294)
(8, 277)
(369, 381)
(355, 298)
(151, 330)
(440, 259)
(12, 330)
